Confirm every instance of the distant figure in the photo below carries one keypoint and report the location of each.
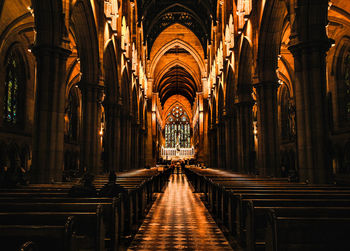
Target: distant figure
(23, 177)
(177, 167)
(85, 188)
(293, 176)
(111, 189)
(183, 164)
(284, 172)
(172, 166)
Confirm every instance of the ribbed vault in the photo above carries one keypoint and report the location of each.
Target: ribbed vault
(177, 80)
(195, 15)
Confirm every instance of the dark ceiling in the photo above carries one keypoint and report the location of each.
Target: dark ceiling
(177, 81)
(157, 15)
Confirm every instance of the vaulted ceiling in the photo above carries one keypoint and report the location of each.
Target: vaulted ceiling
(177, 80)
(196, 15)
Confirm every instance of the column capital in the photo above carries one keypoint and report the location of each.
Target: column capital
(85, 85)
(266, 84)
(91, 92)
(111, 106)
(41, 50)
(248, 103)
(322, 45)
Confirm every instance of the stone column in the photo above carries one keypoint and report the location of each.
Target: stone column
(205, 143)
(218, 146)
(123, 141)
(244, 135)
(112, 136)
(149, 136)
(232, 141)
(221, 142)
(135, 145)
(48, 131)
(202, 148)
(268, 156)
(128, 146)
(213, 147)
(117, 138)
(141, 146)
(90, 155)
(309, 44)
(228, 142)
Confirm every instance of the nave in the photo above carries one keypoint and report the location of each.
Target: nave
(178, 220)
(255, 92)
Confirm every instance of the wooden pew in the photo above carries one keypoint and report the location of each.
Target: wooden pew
(227, 197)
(308, 229)
(238, 205)
(255, 221)
(126, 210)
(234, 202)
(90, 217)
(53, 235)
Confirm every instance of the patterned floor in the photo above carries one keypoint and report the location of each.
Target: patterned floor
(178, 220)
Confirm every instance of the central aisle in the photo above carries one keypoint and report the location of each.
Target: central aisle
(179, 220)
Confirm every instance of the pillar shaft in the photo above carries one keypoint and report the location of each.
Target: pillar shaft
(228, 143)
(234, 139)
(112, 136)
(48, 133)
(90, 149)
(244, 135)
(142, 148)
(220, 135)
(128, 145)
(309, 44)
(268, 152)
(213, 147)
(149, 137)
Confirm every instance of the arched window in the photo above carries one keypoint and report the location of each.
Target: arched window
(177, 128)
(14, 87)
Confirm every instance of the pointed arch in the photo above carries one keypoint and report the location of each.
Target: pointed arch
(84, 26)
(214, 111)
(125, 88)
(284, 102)
(182, 64)
(73, 110)
(141, 111)
(177, 127)
(189, 113)
(270, 34)
(134, 103)
(230, 88)
(244, 83)
(172, 44)
(221, 102)
(110, 73)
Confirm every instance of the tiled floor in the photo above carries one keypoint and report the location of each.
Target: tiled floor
(178, 220)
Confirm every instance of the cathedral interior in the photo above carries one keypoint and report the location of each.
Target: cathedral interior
(174, 124)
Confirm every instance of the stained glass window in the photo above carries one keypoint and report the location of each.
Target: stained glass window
(13, 83)
(177, 129)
